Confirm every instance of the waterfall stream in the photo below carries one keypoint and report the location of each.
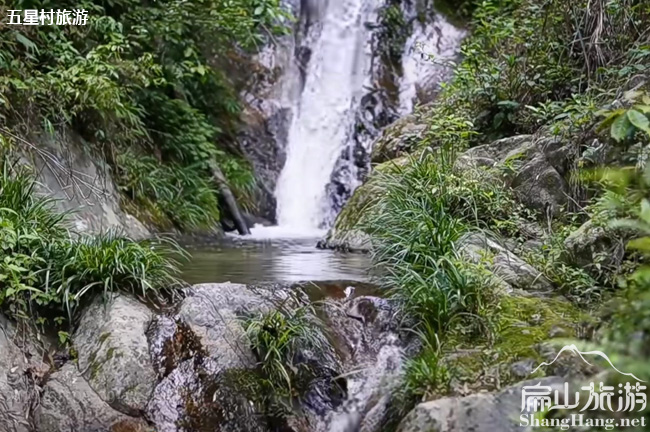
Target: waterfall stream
(333, 74)
(323, 117)
(340, 93)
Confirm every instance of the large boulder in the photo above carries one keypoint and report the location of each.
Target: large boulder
(114, 353)
(200, 395)
(80, 182)
(595, 248)
(210, 378)
(214, 311)
(533, 167)
(346, 235)
(20, 371)
(69, 404)
(398, 139)
(483, 412)
(508, 267)
(205, 361)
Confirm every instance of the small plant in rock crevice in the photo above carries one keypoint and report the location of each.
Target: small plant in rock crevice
(282, 340)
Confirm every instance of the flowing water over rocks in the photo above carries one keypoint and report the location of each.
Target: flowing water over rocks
(324, 94)
(191, 368)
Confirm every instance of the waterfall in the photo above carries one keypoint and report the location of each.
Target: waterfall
(339, 93)
(324, 114)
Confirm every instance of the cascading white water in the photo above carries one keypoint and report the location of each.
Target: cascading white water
(324, 115)
(425, 60)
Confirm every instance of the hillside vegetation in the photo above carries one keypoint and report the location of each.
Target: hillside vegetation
(539, 143)
(147, 84)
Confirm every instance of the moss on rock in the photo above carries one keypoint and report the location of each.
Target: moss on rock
(519, 328)
(347, 234)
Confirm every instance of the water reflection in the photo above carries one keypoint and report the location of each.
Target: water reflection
(272, 260)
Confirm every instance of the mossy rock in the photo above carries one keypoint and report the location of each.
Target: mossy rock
(346, 234)
(398, 139)
(519, 330)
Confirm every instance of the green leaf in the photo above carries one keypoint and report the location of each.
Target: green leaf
(641, 244)
(643, 108)
(645, 211)
(639, 120)
(611, 116)
(28, 44)
(620, 128)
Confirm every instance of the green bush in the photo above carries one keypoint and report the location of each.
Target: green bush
(169, 195)
(47, 272)
(279, 340)
(150, 78)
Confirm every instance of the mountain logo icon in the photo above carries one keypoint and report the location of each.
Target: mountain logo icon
(574, 349)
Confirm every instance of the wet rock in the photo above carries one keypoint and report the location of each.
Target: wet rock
(213, 312)
(595, 248)
(263, 138)
(483, 412)
(200, 395)
(69, 404)
(532, 167)
(210, 375)
(366, 332)
(398, 139)
(361, 326)
(507, 266)
(345, 234)
(523, 368)
(114, 352)
(204, 360)
(20, 373)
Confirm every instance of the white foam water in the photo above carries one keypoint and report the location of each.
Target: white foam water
(334, 80)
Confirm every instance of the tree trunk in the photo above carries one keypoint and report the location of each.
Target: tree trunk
(231, 202)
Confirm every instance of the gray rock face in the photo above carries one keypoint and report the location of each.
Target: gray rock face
(68, 404)
(507, 266)
(208, 370)
(212, 311)
(591, 246)
(20, 368)
(346, 235)
(205, 363)
(533, 167)
(398, 139)
(200, 395)
(366, 331)
(362, 325)
(482, 412)
(114, 353)
(82, 182)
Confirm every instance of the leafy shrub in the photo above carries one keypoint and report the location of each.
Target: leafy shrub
(46, 272)
(279, 338)
(172, 195)
(147, 78)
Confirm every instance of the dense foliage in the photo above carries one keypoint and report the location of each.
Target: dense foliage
(575, 70)
(150, 78)
(47, 272)
(282, 340)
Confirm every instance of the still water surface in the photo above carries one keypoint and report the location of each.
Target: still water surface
(250, 261)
